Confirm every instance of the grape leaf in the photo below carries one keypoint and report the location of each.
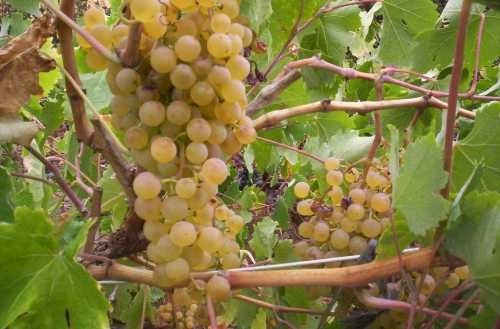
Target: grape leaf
(263, 238)
(482, 144)
(418, 199)
(42, 281)
(258, 11)
(284, 252)
(260, 321)
(348, 146)
(6, 207)
(476, 239)
(403, 20)
(386, 248)
(97, 89)
(28, 6)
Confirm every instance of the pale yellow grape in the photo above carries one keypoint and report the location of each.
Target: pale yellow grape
(230, 7)
(204, 215)
(452, 281)
(177, 270)
(463, 272)
(352, 175)
(357, 245)
(181, 297)
(245, 132)
(219, 45)
(220, 23)
(136, 138)
(94, 16)
(228, 112)
(198, 130)
(167, 249)
(157, 27)
(196, 153)
(215, 151)
(348, 225)
(219, 75)
(223, 213)
(334, 177)
(183, 4)
(147, 93)
(174, 209)
(339, 239)
(321, 232)
(144, 10)
(127, 80)
(358, 195)
(103, 34)
(300, 248)
(380, 202)
(143, 159)
(218, 288)
(199, 199)
(183, 234)
(202, 93)
(371, 228)
(205, 263)
(210, 239)
(123, 104)
(152, 113)
(336, 195)
(186, 26)
(230, 261)
(236, 44)
(185, 187)
(81, 41)
(193, 255)
(301, 190)
(167, 170)
(375, 180)
(96, 61)
(306, 229)
(332, 163)
(210, 189)
(229, 247)
(146, 185)
(313, 252)
(239, 67)
(171, 130)
(428, 285)
(154, 230)
(207, 3)
(182, 77)
(148, 209)
(231, 145)
(237, 29)
(247, 37)
(234, 91)
(163, 59)
(202, 67)
(214, 171)
(163, 149)
(235, 224)
(127, 121)
(355, 211)
(304, 207)
(218, 132)
(187, 48)
(178, 113)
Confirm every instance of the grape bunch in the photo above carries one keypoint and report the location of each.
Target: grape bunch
(180, 112)
(354, 211)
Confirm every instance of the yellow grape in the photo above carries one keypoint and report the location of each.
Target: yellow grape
(380, 202)
(163, 59)
(210, 189)
(94, 16)
(177, 270)
(146, 93)
(371, 228)
(230, 7)
(204, 215)
(223, 213)
(300, 248)
(234, 91)
(163, 149)
(229, 247)
(463, 272)
(236, 45)
(230, 261)
(218, 132)
(210, 239)
(332, 163)
(186, 26)
(127, 80)
(304, 207)
(144, 10)
(136, 138)
(154, 230)
(357, 245)
(220, 23)
(334, 177)
(148, 209)
(214, 171)
(218, 288)
(198, 130)
(196, 153)
(193, 255)
(183, 234)
(306, 229)
(428, 285)
(231, 145)
(339, 239)
(205, 263)
(174, 209)
(178, 113)
(146, 185)
(336, 195)
(247, 37)
(187, 48)
(245, 132)
(452, 281)
(183, 4)
(185, 187)
(96, 61)
(237, 29)
(181, 297)
(157, 27)
(235, 224)
(199, 199)
(337, 215)
(348, 225)
(219, 75)
(182, 77)
(301, 190)
(103, 34)
(355, 211)
(321, 232)
(228, 112)
(219, 45)
(202, 67)
(165, 250)
(144, 159)
(202, 93)
(358, 195)
(375, 180)
(352, 175)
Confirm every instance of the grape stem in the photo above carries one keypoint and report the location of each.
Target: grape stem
(211, 313)
(458, 316)
(35, 178)
(279, 308)
(291, 148)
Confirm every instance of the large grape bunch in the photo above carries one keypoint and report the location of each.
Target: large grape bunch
(181, 111)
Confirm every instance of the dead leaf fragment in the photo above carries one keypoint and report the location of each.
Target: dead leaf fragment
(15, 130)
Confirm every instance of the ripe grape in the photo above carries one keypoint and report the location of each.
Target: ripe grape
(321, 232)
(196, 153)
(210, 189)
(334, 177)
(357, 245)
(229, 247)
(147, 93)
(205, 263)
(136, 138)
(182, 77)
(247, 38)
(183, 4)
(127, 80)
(146, 185)
(174, 208)
(358, 196)
(237, 29)
(103, 34)
(178, 113)
(218, 288)
(210, 239)
(348, 225)
(301, 190)
(163, 59)
(337, 215)
(355, 211)
(93, 16)
(96, 61)
(219, 45)
(380, 202)
(230, 7)
(163, 250)
(204, 215)
(235, 224)
(463, 272)
(181, 297)
(375, 180)
(157, 27)
(230, 261)
(220, 23)
(304, 207)
(332, 163)
(154, 230)
(185, 187)
(144, 10)
(187, 48)
(452, 281)
(336, 195)
(245, 132)
(193, 255)
(198, 130)
(183, 234)
(313, 252)
(152, 113)
(218, 132)
(202, 93)
(219, 75)
(233, 91)
(371, 228)
(236, 45)
(300, 248)
(214, 171)
(228, 112)
(239, 67)
(351, 175)
(202, 67)
(428, 285)
(199, 199)
(339, 239)
(306, 229)
(231, 145)
(177, 270)
(223, 213)
(163, 149)
(148, 209)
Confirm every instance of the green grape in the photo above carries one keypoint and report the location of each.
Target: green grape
(306, 229)
(234, 91)
(202, 93)
(228, 112)
(229, 247)
(144, 10)
(193, 255)
(96, 61)
(219, 75)
(231, 8)
(183, 234)
(339, 239)
(237, 29)
(214, 171)
(157, 27)
(219, 45)
(336, 195)
(136, 138)
(177, 270)
(355, 211)
(332, 163)
(199, 199)
(230, 261)
(148, 209)
(220, 23)
(304, 207)
(210, 239)
(334, 177)
(358, 195)
(348, 225)
(178, 113)
(174, 209)
(223, 213)
(239, 67)
(127, 80)
(185, 187)
(218, 288)
(163, 149)
(103, 34)
(183, 4)
(245, 132)
(146, 185)
(163, 59)
(236, 45)
(301, 190)
(300, 248)
(218, 132)
(187, 48)
(321, 232)
(371, 228)
(357, 245)
(182, 77)
(152, 113)
(463, 272)
(452, 281)
(198, 130)
(204, 215)
(380, 202)
(154, 230)
(235, 224)
(94, 16)
(163, 250)
(196, 153)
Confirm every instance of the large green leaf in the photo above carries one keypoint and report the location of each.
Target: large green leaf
(403, 20)
(482, 145)
(40, 282)
(416, 193)
(6, 206)
(28, 6)
(476, 239)
(258, 11)
(264, 238)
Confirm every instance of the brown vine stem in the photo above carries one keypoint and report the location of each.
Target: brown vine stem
(131, 56)
(211, 313)
(477, 51)
(272, 118)
(63, 184)
(458, 316)
(279, 308)
(84, 34)
(95, 214)
(456, 76)
(291, 148)
(30, 177)
(377, 138)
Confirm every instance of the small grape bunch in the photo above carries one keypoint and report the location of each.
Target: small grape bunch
(356, 210)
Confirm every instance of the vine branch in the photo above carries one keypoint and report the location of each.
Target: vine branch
(279, 308)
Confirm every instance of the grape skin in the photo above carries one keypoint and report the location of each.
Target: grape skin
(218, 288)
(183, 234)
(146, 185)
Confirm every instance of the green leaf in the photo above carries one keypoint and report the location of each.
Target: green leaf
(136, 314)
(284, 252)
(264, 238)
(6, 207)
(240, 312)
(260, 321)
(482, 145)
(34, 272)
(394, 156)
(258, 11)
(403, 20)
(417, 188)
(476, 239)
(97, 89)
(386, 248)
(349, 146)
(52, 116)
(27, 6)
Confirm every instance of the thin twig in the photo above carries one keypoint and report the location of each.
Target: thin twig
(463, 308)
(291, 148)
(38, 179)
(377, 138)
(477, 52)
(211, 313)
(95, 214)
(278, 308)
(78, 171)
